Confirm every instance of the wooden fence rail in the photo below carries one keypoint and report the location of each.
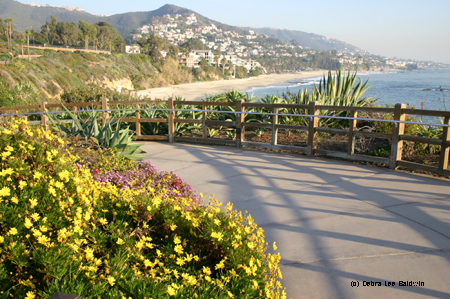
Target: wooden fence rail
(312, 113)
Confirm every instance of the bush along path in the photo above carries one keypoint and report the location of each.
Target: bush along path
(114, 228)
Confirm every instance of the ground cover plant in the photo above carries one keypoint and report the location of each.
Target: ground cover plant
(102, 226)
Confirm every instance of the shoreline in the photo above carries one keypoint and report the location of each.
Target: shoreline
(200, 90)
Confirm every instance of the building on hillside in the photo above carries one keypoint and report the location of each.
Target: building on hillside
(208, 55)
(191, 19)
(133, 49)
(188, 59)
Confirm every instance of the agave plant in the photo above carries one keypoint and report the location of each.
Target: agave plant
(338, 90)
(104, 136)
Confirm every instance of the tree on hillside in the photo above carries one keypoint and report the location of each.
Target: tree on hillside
(193, 44)
(143, 42)
(87, 32)
(8, 23)
(108, 36)
(223, 61)
(2, 28)
(27, 34)
(68, 32)
(49, 30)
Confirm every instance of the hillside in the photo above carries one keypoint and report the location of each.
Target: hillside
(309, 40)
(47, 77)
(26, 17)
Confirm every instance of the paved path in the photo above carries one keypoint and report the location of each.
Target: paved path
(334, 222)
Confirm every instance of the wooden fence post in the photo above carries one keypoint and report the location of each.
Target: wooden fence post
(445, 147)
(204, 127)
(399, 129)
(274, 129)
(105, 106)
(44, 117)
(239, 120)
(171, 121)
(138, 120)
(74, 111)
(313, 124)
(351, 134)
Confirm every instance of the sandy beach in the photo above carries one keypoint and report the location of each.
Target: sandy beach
(201, 90)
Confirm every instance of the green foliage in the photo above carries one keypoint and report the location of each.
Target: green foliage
(338, 90)
(139, 58)
(18, 94)
(90, 93)
(381, 151)
(117, 139)
(193, 44)
(68, 32)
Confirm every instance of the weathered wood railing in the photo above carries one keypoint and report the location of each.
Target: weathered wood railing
(397, 136)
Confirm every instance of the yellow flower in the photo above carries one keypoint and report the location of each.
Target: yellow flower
(30, 295)
(13, 231)
(6, 172)
(180, 261)
(28, 223)
(179, 249)
(111, 280)
(5, 191)
(89, 253)
(274, 246)
(22, 184)
(43, 240)
(206, 270)
(37, 175)
(15, 200)
(251, 245)
(173, 227)
(192, 280)
(177, 240)
(170, 291)
(2, 239)
(230, 294)
(64, 175)
(33, 202)
(35, 216)
(52, 191)
(218, 236)
(9, 148)
(217, 222)
(120, 241)
(220, 265)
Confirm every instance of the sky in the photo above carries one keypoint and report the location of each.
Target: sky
(408, 29)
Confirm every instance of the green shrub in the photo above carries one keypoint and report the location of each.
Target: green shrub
(62, 231)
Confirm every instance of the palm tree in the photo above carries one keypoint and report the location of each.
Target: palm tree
(8, 30)
(27, 33)
(223, 61)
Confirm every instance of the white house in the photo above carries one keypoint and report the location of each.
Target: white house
(133, 49)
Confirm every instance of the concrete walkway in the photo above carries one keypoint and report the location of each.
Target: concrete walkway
(334, 222)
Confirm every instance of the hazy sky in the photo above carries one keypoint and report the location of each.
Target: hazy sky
(412, 29)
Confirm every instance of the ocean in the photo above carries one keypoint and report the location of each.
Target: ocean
(409, 87)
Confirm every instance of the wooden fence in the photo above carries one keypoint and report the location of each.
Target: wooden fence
(397, 137)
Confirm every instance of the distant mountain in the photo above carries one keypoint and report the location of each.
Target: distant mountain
(33, 17)
(304, 39)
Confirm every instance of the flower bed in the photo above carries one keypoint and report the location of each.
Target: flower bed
(114, 228)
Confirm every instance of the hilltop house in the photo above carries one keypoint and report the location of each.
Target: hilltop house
(133, 49)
